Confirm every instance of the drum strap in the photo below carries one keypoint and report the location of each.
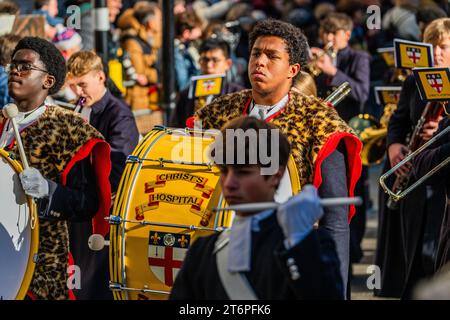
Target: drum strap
(235, 284)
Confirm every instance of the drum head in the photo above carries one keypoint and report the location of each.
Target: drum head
(17, 239)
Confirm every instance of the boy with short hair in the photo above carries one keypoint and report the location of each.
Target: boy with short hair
(115, 121)
(273, 254)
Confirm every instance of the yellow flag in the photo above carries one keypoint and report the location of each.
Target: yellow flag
(207, 85)
(433, 83)
(410, 54)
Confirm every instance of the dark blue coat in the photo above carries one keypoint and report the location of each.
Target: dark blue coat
(354, 67)
(115, 121)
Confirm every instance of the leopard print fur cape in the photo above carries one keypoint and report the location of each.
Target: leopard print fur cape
(307, 122)
(50, 144)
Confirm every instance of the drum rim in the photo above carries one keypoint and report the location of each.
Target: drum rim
(34, 240)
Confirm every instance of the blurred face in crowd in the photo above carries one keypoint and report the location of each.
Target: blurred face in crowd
(53, 8)
(214, 62)
(339, 39)
(269, 70)
(114, 7)
(90, 86)
(441, 52)
(155, 24)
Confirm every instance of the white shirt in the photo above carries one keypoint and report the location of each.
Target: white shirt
(240, 245)
(263, 112)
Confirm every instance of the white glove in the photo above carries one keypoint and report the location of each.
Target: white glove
(33, 183)
(297, 216)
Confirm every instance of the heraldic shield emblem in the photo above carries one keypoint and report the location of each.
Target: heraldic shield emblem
(166, 252)
(435, 81)
(413, 54)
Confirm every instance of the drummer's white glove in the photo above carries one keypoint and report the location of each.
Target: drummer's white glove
(297, 216)
(33, 183)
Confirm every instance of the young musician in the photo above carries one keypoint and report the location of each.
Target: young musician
(69, 162)
(115, 121)
(325, 150)
(274, 254)
(401, 251)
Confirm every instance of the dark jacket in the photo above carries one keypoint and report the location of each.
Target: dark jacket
(315, 257)
(427, 160)
(354, 67)
(418, 217)
(405, 117)
(115, 121)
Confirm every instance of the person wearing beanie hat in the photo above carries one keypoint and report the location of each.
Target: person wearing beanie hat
(67, 40)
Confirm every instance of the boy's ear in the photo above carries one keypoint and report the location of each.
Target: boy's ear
(348, 35)
(49, 81)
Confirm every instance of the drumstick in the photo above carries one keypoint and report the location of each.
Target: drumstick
(10, 111)
(259, 206)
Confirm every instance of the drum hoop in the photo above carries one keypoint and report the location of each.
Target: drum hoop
(34, 240)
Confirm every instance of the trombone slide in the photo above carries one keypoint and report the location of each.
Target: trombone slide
(396, 196)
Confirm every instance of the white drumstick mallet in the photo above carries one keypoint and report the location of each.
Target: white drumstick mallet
(10, 111)
(97, 242)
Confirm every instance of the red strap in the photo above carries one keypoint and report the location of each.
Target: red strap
(2, 124)
(353, 146)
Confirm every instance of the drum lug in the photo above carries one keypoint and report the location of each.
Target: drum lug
(133, 159)
(35, 258)
(115, 220)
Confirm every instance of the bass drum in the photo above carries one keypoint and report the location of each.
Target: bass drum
(19, 232)
(165, 201)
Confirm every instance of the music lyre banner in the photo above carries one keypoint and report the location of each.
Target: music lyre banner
(387, 94)
(206, 85)
(388, 55)
(433, 83)
(409, 54)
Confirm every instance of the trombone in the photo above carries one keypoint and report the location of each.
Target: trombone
(402, 193)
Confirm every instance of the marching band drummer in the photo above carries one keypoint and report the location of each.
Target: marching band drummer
(69, 162)
(401, 252)
(115, 121)
(325, 149)
(423, 163)
(268, 254)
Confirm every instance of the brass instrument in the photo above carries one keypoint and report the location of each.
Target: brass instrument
(372, 134)
(415, 146)
(339, 94)
(312, 65)
(397, 195)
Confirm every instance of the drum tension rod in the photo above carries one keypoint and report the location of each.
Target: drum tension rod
(133, 159)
